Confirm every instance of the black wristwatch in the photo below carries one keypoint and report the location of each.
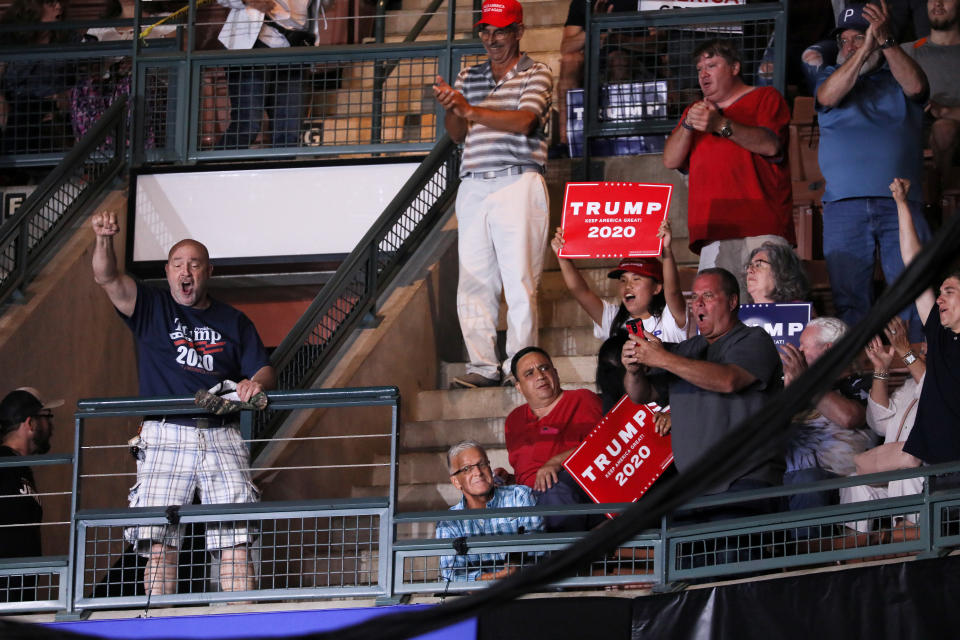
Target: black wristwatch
(889, 42)
(683, 123)
(725, 130)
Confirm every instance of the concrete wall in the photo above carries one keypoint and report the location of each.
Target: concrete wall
(67, 340)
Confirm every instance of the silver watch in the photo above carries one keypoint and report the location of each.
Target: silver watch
(909, 358)
(725, 130)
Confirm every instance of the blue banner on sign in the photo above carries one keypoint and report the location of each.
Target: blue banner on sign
(783, 321)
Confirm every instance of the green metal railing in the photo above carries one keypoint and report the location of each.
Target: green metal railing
(31, 235)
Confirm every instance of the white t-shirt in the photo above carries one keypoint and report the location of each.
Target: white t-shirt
(665, 327)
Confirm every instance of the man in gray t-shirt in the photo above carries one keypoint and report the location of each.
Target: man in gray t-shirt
(712, 381)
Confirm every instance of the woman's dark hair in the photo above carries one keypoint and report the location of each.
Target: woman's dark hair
(790, 280)
(610, 370)
(726, 49)
(657, 304)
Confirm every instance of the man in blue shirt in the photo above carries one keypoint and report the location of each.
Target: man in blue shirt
(186, 341)
(470, 473)
(870, 110)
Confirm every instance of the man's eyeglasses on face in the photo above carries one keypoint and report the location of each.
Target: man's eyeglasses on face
(756, 264)
(857, 40)
(483, 465)
(45, 414)
(486, 33)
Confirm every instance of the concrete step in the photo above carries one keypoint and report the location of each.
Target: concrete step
(436, 434)
(572, 369)
(594, 272)
(462, 404)
(569, 341)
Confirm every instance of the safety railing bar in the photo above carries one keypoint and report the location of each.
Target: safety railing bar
(37, 460)
(511, 512)
(172, 474)
(34, 563)
(42, 494)
(34, 524)
(288, 507)
(302, 593)
(134, 406)
(641, 540)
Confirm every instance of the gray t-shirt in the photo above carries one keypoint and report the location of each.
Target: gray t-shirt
(940, 63)
(702, 418)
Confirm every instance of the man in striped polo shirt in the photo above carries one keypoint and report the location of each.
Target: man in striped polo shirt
(499, 110)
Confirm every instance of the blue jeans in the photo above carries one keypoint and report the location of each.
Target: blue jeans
(278, 89)
(810, 500)
(852, 231)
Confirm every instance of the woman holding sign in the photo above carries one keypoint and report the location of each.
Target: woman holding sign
(649, 293)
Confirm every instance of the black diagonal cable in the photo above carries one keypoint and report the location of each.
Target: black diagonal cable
(763, 433)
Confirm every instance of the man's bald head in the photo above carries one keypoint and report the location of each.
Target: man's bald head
(191, 242)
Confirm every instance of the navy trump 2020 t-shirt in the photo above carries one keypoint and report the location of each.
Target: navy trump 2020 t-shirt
(181, 349)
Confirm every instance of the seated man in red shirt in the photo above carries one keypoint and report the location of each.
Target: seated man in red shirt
(543, 432)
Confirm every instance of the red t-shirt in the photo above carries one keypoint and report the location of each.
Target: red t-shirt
(735, 193)
(531, 441)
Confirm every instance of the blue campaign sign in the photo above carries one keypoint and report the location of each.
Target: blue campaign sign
(783, 321)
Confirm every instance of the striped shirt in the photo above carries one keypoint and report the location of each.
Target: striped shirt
(469, 567)
(528, 86)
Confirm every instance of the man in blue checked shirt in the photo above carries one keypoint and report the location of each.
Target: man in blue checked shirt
(470, 473)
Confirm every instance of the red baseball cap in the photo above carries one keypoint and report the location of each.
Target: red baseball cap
(649, 267)
(500, 13)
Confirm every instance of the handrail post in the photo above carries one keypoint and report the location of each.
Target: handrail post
(591, 88)
(72, 551)
(379, 28)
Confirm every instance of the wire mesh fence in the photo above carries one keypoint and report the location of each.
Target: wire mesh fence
(288, 554)
(642, 73)
(437, 570)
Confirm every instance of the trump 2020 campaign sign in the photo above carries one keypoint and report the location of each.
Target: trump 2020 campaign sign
(784, 321)
(622, 456)
(613, 219)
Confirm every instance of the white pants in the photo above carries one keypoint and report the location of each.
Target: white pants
(503, 225)
(864, 493)
(732, 255)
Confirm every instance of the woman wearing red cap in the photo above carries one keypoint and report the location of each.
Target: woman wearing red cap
(649, 292)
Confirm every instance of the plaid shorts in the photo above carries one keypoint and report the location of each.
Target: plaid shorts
(175, 461)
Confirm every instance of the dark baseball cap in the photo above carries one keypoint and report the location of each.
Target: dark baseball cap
(22, 403)
(851, 18)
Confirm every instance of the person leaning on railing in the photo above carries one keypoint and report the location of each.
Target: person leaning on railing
(187, 341)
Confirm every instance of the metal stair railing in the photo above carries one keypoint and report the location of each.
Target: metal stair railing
(31, 235)
(365, 274)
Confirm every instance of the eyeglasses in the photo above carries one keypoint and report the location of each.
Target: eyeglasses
(496, 34)
(756, 264)
(46, 414)
(858, 40)
(483, 465)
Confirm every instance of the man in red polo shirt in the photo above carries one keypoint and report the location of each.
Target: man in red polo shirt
(542, 433)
